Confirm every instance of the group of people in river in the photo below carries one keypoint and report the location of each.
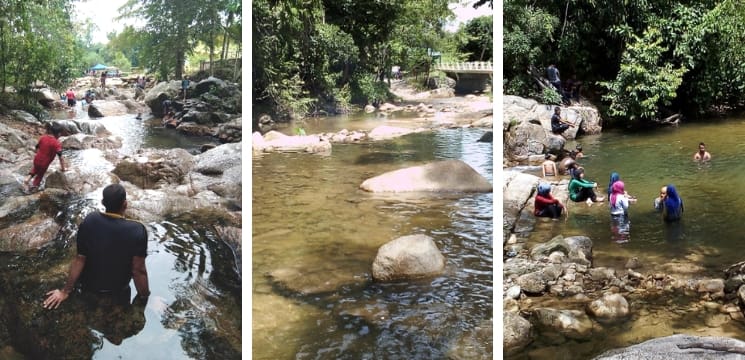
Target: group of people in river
(669, 203)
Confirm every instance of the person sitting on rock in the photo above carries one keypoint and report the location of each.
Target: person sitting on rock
(558, 126)
(545, 204)
(583, 190)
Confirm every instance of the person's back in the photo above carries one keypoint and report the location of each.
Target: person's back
(47, 148)
(109, 242)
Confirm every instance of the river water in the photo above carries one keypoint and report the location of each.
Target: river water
(704, 243)
(315, 236)
(194, 311)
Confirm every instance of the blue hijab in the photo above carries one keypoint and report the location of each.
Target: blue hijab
(544, 189)
(613, 178)
(673, 203)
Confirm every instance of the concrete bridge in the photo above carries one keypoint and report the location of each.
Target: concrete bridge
(469, 76)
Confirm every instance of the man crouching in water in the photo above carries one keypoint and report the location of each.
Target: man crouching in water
(111, 252)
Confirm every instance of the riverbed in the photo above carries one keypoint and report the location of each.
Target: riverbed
(704, 243)
(311, 219)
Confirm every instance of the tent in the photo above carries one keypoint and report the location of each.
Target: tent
(99, 67)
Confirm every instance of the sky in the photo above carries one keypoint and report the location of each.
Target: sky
(103, 12)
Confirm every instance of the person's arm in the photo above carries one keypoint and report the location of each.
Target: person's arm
(139, 275)
(57, 296)
(61, 161)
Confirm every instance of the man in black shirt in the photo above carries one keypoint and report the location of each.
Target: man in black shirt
(111, 251)
(558, 126)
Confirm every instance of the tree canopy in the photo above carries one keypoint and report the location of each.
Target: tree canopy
(645, 59)
(308, 54)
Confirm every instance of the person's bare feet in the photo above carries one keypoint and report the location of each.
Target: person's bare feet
(589, 202)
(599, 199)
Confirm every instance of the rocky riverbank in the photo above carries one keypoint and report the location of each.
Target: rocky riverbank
(202, 189)
(555, 296)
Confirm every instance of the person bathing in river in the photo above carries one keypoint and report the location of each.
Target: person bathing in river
(545, 203)
(614, 177)
(568, 165)
(583, 190)
(660, 200)
(70, 97)
(549, 166)
(111, 251)
(672, 206)
(702, 154)
(619, 211)
(47, 147)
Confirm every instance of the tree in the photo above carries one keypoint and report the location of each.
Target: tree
(480, 39)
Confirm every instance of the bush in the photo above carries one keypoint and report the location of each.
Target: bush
(549, 95)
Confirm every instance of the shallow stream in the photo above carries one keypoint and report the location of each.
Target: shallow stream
(704, 243)
(311, 219)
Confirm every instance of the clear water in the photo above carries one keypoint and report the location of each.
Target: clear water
(705, 242)
(310, 218)
(195, 307)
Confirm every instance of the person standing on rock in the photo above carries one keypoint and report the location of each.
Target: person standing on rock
(545, 203)
(583, 190)
(185, 85)
(47, 147)
(103, 80)
(111, 251)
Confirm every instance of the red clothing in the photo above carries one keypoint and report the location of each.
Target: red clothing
(46, 149)
(542, 201)
(70, 94)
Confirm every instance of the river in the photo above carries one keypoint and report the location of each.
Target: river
(311, 221)
(194, 311)
(704, 243)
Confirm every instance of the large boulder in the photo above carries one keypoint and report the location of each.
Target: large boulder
(155, 169)
(161, 91)
(219, 160)
(408, 257)
(24, 116)
(230, 132)
(578, 249)
(523, 140)
(441, 176)
(32, 233)
(103, 108)
(275, 141)
(680, 347)
(385, 132)
(517, 189)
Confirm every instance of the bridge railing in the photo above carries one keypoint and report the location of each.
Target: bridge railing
(466, 66)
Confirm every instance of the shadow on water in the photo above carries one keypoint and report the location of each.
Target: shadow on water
(315, 236)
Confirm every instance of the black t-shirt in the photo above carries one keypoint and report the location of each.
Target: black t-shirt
(109, 242)
(555, 120)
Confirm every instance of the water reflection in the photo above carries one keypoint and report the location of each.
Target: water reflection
(310, 218)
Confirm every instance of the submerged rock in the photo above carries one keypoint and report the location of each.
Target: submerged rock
(407, 257)
(611, 308)
(441, 176)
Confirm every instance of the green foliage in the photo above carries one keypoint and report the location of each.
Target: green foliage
(527, 33)
(645, 81)
(366, 90)
(549, 95)
(479, 44)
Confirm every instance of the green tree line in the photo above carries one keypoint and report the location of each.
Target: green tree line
(40, 41)
(642, 60)
(310, 55)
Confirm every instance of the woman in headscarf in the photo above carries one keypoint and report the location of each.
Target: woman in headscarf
(545, 203)
(583, 190)
(673, 204)
(619, 211)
